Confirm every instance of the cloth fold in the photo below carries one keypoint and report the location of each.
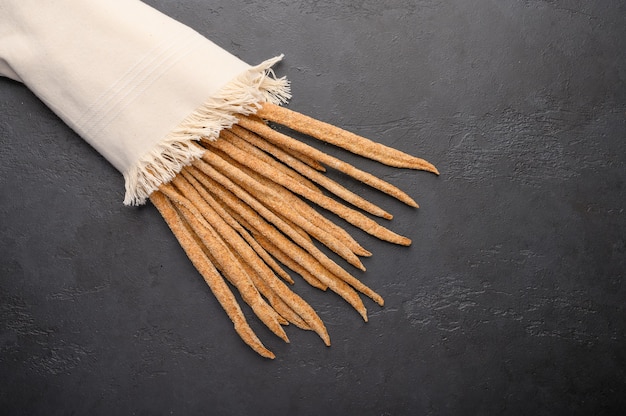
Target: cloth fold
(134, 83)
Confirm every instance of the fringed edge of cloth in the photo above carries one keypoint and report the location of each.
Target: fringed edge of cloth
(241, 96)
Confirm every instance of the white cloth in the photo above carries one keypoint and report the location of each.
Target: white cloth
(134, 83)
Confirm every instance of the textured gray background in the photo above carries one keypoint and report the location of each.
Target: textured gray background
(510, 301)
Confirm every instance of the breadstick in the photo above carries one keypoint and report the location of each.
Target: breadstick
(225, 263)
(315, 164)
(342, 138)
(209, 273)
(312, 259)
(315, 218)
(292, 264)
(261, 228)
(339, 233)
(230, 137)
(232, 238)
(310, 248)
(311, 173)
(307, 160)
(253, 221)
(315, 268)
(353, 217)
(218, 247)
(303, 214)
(198, 181)
(251, 186)
(316, 262)
(285, 141)
(277, 303)
(249, 203)
(285, 314)
(304, 264)
(224, 259)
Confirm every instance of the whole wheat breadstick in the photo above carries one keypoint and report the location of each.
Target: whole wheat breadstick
(213, 175)
(317, 264)
(342, 138)
(304, 264)
(191, 189)
(209, 273)
(303, 214)
(298, 155)
(260, 228)
(307, 160)
(353, 217)
(230, 137)
(291, 263)
(319, 221)
(277, 303)
(281, 197)
(311, 173)
(315, 218)
(339, 233)
(249, 291)
(201, 183)
(285, 313)
(296, 227)
(287, 142)
(224, 259)
(252, 186)
(253, 221)
(285, 204)
(314, 251)
(227, 260)
(310, 248)
(295, 308)
(314, 268)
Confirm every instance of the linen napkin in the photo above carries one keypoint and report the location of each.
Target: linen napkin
(133, 82)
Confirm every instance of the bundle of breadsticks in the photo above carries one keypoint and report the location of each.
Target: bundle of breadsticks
(242, 207)
(190, 127)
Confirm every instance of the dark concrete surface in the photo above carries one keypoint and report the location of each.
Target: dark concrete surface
(511, 299)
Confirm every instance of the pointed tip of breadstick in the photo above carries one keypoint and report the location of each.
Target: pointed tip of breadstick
(421, 164)
(360, 251)
(364, 314)
(355, 261)
(410, 202)
(417, 163)
(280, 333)
(253, 342)
(285, 276)
(429, 167)
(266, 353)
(394, 238)
(323, 333)
(404, 197)
(378, 299)
(381, 213)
